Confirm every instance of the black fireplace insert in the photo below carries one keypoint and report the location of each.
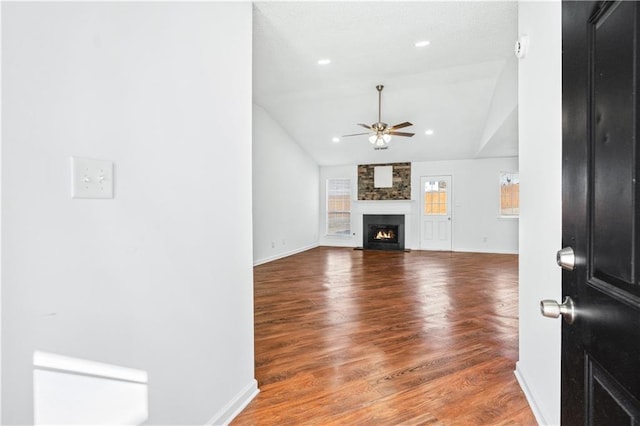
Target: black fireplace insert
(383, 232)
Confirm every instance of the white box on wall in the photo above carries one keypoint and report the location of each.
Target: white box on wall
(383, 176)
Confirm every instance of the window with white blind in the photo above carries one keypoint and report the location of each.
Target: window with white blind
(339, 206)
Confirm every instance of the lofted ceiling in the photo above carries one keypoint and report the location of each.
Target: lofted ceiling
(463, 85)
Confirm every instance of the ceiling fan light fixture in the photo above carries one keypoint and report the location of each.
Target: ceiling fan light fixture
(378, 139)
(379, 133)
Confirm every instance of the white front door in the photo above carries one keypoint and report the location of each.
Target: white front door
(435, 223)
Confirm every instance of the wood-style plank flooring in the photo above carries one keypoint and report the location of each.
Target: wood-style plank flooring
(346, 336)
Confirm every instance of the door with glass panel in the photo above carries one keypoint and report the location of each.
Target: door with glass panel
(435, 217)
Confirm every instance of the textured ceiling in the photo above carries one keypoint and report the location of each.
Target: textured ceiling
(448, 86)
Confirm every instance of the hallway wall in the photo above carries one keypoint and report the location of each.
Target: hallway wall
(140, 280)
(540, 120)
(285, 192)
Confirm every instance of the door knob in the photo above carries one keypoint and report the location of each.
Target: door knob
(552, 309)
(566, 259)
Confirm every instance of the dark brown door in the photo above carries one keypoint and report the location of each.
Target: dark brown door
(601, 212)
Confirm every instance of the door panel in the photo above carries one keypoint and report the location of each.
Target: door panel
(601, 349)
(612, 222)
(428, 230)
(436, 213)
(611, 404)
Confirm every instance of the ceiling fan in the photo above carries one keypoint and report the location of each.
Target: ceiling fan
(380, 133)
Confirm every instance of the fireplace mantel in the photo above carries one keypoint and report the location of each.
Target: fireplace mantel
(383, 206)
(360, 208)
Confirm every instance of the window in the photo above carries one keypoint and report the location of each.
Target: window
(338, 207)
(509, 194)
(435, 197)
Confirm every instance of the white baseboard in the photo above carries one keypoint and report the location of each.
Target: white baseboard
(527, 393)
(339, 241)
(283, 255)
(236, 405)
(300, 250)
(474, 250)
(493, 251)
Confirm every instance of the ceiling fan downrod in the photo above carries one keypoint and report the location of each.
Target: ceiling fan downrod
(379, 87)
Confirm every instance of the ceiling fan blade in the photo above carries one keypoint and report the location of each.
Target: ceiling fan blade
(400, 126)
(365, 126)
(355, 134)
(401, 134)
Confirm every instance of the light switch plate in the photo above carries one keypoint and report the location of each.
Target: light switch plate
(91, 178)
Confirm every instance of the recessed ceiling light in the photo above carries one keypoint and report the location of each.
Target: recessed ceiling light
(324, 61)
(428, 132)
(423, 43)
(335, 140)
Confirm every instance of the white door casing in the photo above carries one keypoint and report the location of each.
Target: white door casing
(436, 215)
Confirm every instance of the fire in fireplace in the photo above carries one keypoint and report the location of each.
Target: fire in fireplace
(383, 232)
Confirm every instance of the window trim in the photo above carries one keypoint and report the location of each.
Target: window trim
(502, 216)
(327, 211)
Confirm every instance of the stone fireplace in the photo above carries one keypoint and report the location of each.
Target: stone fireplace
(383, 231)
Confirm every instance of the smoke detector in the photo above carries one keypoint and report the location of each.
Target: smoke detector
(521, 47)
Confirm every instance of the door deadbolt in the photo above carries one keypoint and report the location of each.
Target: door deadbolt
(566, 259)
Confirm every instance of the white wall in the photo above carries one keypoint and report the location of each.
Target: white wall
(476, 204)
(160, 277)
(1, 274)
(502, 119)
(540, 120)
(285, 192)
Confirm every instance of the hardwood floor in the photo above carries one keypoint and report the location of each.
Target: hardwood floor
(344, 336)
